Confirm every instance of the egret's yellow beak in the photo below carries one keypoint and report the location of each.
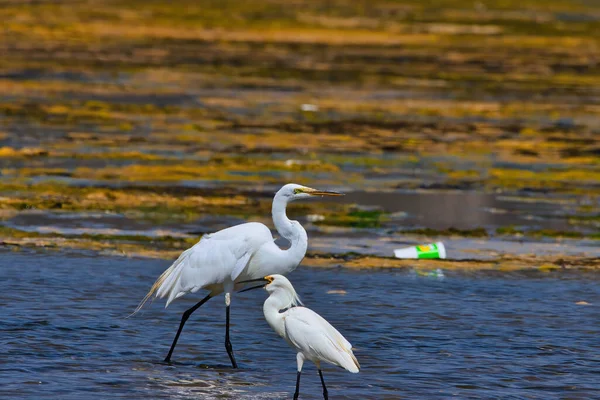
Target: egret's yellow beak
(315, 192)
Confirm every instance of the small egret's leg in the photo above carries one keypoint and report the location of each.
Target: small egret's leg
(300, 361)
(325, 396)
(184, 318)
(228, 346)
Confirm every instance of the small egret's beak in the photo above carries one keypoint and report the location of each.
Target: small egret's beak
(315, 192)
(264, 281)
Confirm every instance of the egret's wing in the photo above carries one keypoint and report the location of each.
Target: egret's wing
(240, 264)
(212, 261)
(312, 334)
(216, 258)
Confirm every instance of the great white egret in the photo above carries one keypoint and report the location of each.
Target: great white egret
(310, 334)
(241, 252)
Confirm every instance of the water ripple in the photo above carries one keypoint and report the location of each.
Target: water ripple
(64, 335)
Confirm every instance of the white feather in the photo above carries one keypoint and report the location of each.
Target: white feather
(218, 258)
(310, 334)
(317, 339)
(215, 259)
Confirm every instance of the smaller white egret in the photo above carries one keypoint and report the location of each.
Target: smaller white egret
(310, 334)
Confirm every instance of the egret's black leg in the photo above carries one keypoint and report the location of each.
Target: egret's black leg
(184, 318)
(297, 386)
(324, 387)
(227, 342)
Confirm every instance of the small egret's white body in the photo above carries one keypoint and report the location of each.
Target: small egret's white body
(241, 252)
(311, 335)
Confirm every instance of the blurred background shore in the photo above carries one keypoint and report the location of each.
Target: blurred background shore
(134, 127)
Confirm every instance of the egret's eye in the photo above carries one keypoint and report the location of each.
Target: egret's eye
(296, 191)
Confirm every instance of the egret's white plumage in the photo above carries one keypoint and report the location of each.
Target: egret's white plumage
(216, 259)
(311, 335)
(317, 340)
(241, 252)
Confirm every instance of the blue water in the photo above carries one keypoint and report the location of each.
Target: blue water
(511, 336)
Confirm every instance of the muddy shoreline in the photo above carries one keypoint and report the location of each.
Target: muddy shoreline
(119, 128)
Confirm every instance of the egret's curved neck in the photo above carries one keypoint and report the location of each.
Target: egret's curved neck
(291, 230)
(276, 301)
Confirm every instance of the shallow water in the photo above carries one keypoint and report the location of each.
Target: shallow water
(465, 209)
(64, 335)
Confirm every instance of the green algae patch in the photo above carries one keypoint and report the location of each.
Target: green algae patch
(551, 179)
(169, 248)
(217, 168)
(9, 152)
(91, 241)
(151, 203)
(61, 114)
(501, 264)
(157, 204)
(34, 171)
(356, 219)
(118, 155)
(16, 234)
(477, 232)
(550, 233)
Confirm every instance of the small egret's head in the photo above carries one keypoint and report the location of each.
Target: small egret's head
(292, 192)
(278, 285)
